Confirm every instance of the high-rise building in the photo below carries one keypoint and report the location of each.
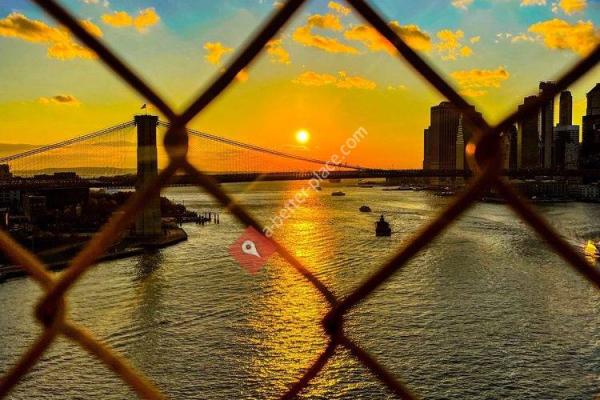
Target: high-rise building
(446, 138)
(590, 146)
(463, 136)
(509, 148)
(546, 127)
(426, 149)
(528, 140)
(441, 135)
(566, 136)
(566, 108)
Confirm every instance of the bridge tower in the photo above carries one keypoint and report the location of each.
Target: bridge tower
(148, 222)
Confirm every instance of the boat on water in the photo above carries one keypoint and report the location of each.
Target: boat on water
(365, 209)
(591, 249)
(335, 180)
(338, 194)
(382, 228)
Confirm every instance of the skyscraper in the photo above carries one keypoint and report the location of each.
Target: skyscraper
(441, 136)
(509, 148)
(528, 154)
(590, 146)
(426, 149)
(546, 127)
(566, 108)
(566, 136)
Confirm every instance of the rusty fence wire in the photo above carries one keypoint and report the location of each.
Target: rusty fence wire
(483, 153)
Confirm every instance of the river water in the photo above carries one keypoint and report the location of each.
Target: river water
(485, 312)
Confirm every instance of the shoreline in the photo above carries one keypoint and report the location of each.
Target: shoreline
(173, 237)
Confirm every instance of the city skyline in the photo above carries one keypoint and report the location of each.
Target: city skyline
(298, 83)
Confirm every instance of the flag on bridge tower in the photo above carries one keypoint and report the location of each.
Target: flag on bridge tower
(145, 107)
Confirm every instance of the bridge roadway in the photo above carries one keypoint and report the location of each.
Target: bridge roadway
(129, 181)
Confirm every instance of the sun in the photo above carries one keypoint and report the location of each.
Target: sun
(302, 136)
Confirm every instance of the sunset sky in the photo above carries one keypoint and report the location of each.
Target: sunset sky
(326, 72)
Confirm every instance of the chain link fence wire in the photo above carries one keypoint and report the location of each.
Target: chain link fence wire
(483, 153)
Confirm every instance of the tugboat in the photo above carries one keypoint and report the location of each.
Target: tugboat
(338, 194)
(591, 249)
(382, 228)
(365, 209)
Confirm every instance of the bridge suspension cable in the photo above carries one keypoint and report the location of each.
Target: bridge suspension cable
(68, 142)
(263, 149)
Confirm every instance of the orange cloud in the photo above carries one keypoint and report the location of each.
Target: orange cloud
(121, 19)
(354, 82)
(243, 75)
(61, 45)
(337, 7)
(450, 45)
(343, 80)
(572, 6)
(476, 82)
(305, 36)
(463, 4)
(61, 99)
(526, 3)
(311, 78)
(277, 52)
(374, 41)
(580, 37)
(215, 51)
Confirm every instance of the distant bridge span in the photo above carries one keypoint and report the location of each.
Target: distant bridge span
(129, 181)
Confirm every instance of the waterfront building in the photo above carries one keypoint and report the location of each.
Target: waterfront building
(5, 171)
(590, 146)
(426, 149)
(446, 138)
(509, 148)
(566, 108)
(528, 138)
(566, 136)
(546, 127)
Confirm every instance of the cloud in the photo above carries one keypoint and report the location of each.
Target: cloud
(522, 37)
(305, 36)
(104, 3)
(399, 87)
(526, 3)
(570, 6)
(580, 37)
(311, 78)
(118, 19)
(343, 80)
(337, 7)
(374, 41)
(450, 46)
(215, 51)
(61, 99)
(276, 52)
(475, 39)
(462, 4)
(61, 45)
(144, 19)
(243, 75)
(476, 82)
(354, 82)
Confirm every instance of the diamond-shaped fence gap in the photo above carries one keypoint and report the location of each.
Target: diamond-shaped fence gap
(344, 377)
(69, 371)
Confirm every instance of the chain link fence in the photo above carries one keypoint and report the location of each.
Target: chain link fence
(484, 157)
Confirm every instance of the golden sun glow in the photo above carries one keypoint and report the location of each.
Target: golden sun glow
(302, 136)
